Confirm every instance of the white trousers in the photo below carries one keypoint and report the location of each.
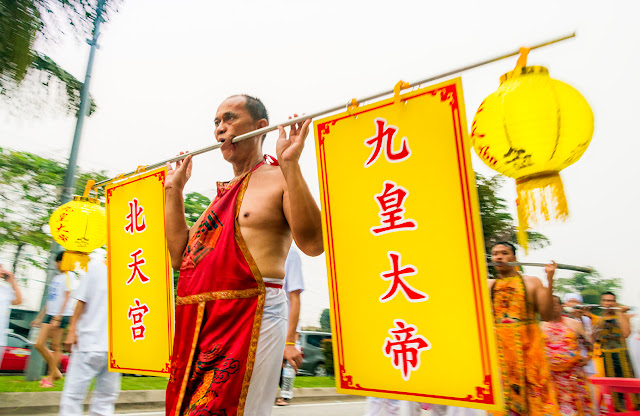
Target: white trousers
(268, 364)
(83, 367)
(442, 410)
(377, 406)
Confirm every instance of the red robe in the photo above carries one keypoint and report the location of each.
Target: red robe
(219, 306)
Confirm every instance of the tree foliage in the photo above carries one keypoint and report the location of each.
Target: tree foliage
(589, 285)
(497, 222)
(325, 321)
(25, 22)
(30, 188)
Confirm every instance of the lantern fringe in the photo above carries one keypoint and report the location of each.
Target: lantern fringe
(540, 199)
(71, 259)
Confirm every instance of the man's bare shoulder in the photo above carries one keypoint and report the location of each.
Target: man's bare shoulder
(574, 324)
(270, 173)
(531, 281)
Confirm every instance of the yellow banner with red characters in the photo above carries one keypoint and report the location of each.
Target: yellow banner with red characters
(140, 277)
(410, 310)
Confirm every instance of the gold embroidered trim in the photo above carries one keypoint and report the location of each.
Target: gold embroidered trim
(194, 344)
(257, 321)
(223, 294)
(251, 358)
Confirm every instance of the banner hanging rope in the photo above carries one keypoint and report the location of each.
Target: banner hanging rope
(271, 128)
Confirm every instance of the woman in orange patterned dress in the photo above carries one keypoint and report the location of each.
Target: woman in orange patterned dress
(526, 379)
(561, 336)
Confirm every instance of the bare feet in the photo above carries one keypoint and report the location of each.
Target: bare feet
(282, 402)
(56, 375)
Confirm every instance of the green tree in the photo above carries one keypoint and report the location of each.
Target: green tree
(589, 285)
(30, 188)
(325, 321)
(194, 205)
(497, 222)
(23, 22)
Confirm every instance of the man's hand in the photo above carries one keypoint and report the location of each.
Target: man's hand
(550, 270)
(36, 323)
(70, 339)
(289, 149)
(584, 361)
(55, 322)
(293, 356)
(178, 177)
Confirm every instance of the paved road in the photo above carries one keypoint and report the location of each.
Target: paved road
(336, 408)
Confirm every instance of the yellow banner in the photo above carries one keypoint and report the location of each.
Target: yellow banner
(140, 277)
(410, 310)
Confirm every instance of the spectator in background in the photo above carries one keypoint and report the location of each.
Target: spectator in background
(59, 309)
(88, 334)
(562, 336)
(609, 334)
(574, 308)
(9, 296)
(293, 286)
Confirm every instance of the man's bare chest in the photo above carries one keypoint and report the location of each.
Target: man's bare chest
(261, 205)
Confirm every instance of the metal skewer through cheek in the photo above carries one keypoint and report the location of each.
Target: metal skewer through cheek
(559, 266)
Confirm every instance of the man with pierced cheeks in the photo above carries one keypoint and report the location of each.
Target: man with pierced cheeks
(231, 310)
(516, 301)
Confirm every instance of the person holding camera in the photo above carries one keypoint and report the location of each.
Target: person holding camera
(10, 295)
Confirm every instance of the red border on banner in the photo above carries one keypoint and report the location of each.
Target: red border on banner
(161, 175)
(484, 394)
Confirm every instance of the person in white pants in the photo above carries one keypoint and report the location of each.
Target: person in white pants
(89, 359)
(377, 406)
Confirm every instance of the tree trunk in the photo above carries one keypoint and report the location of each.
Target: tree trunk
(16, 258)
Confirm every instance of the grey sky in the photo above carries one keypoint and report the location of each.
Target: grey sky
(162, 70)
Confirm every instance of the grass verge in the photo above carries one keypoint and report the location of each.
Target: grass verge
(9, 384)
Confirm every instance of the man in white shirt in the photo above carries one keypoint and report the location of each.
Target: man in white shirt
(293, 286)
(9, 295)
(88, 334)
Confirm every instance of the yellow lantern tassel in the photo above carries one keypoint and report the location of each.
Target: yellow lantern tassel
(523, 225)
(70, 259)
(540, 199)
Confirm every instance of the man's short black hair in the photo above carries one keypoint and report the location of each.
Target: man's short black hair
(256, 108)
(59, 256)
(506, 243)
(609, 293)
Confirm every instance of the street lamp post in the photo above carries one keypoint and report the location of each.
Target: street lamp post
(36, 366)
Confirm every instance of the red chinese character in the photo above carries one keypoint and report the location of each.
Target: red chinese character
(382, 131)
(391, 214)
(134, 217)
(404, 348)
(398, 283)
(136, 315)
(135, 265)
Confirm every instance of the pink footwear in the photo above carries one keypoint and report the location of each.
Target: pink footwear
(46, 383)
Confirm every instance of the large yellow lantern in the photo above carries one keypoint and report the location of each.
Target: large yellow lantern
(80, 227)
(530, 129)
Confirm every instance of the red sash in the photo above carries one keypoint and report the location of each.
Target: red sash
(219, 306)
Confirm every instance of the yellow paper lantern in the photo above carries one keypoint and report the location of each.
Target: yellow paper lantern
(530, 129)
(79, 225)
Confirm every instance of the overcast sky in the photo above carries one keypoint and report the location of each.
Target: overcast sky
(162, 70)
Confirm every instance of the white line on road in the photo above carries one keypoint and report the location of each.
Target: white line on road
(291, 405)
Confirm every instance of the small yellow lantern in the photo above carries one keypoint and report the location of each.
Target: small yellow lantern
(530, 129)
(80, 227)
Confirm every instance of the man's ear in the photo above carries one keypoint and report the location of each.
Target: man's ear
(262, 123)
